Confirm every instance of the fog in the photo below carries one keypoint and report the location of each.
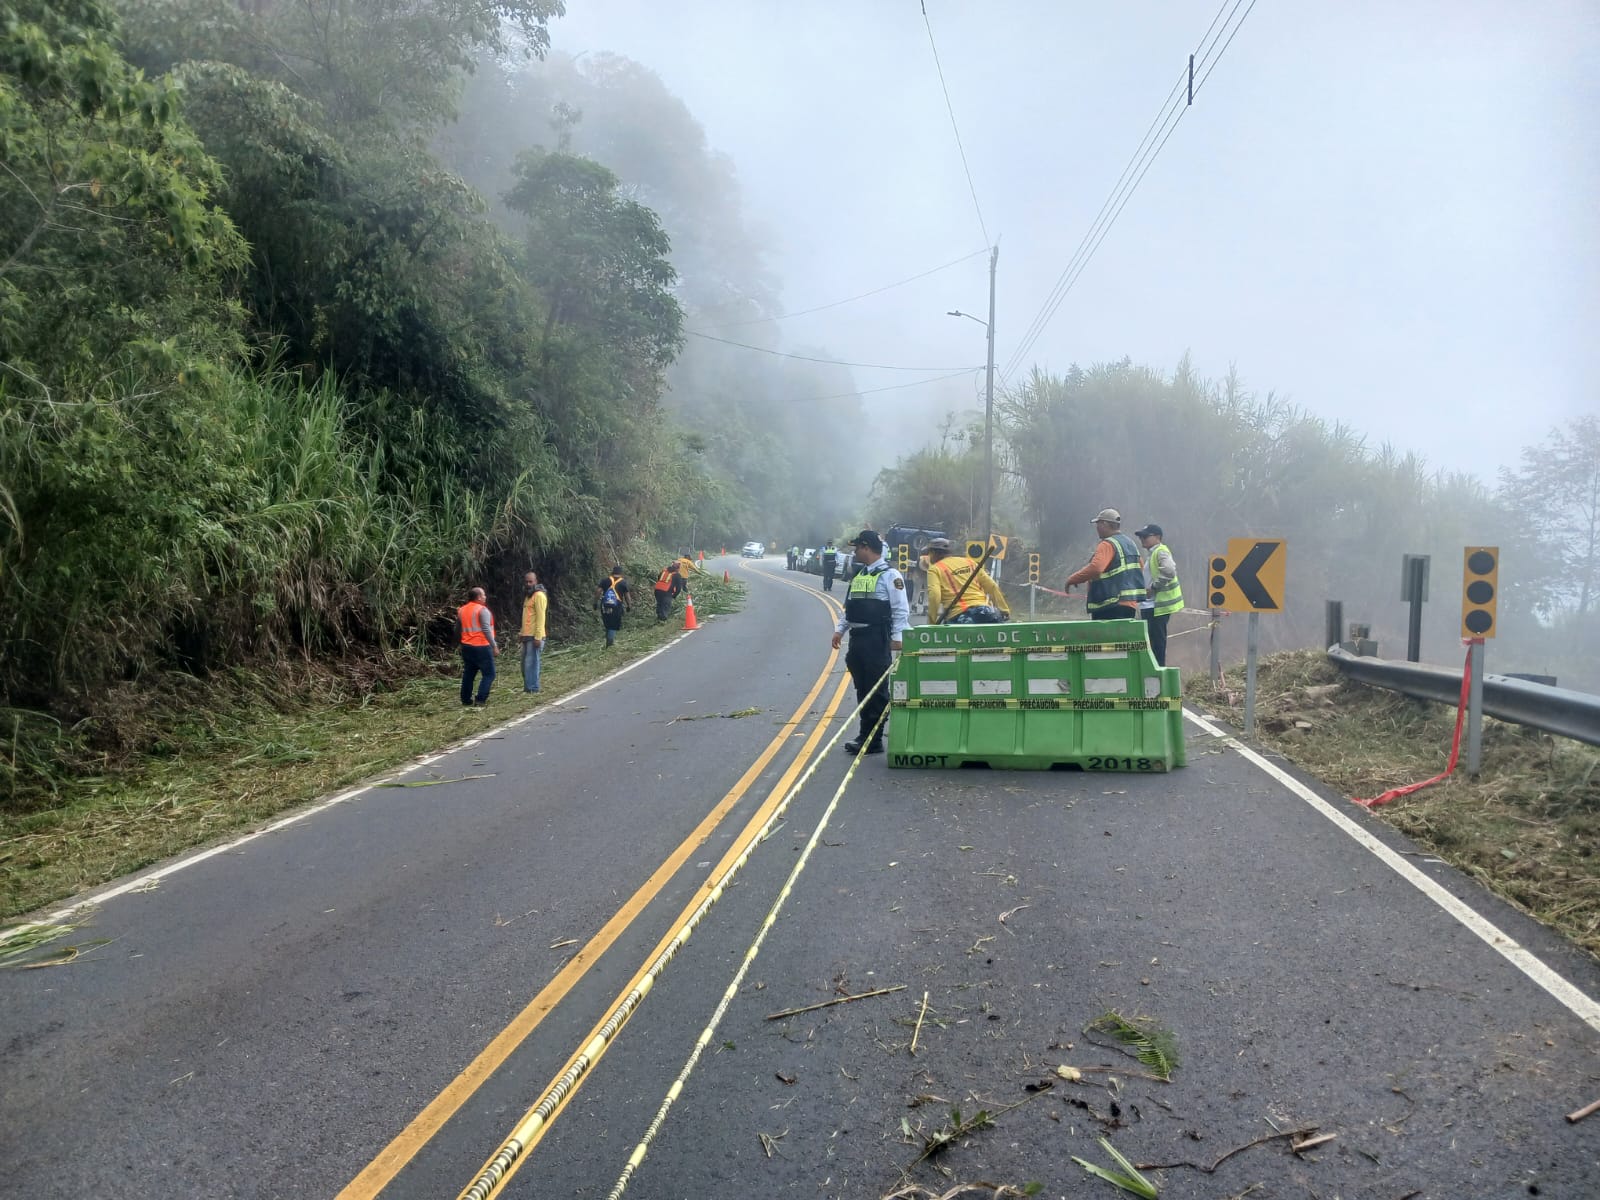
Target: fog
(1381, 212)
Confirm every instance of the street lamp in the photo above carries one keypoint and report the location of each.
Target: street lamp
(988, 407)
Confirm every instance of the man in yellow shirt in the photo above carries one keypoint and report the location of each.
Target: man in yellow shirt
(535, 604)
(953, 591)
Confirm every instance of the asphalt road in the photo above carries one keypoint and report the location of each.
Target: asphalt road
(367, 1002)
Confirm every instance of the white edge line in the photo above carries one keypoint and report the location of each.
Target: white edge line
(1570, 997)
(95, 899)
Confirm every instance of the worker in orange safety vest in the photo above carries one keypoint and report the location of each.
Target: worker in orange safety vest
(478, 647)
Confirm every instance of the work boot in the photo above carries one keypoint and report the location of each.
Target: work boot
(852, 747)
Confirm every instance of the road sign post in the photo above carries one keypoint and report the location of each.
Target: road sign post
(1249, 579)
(1217, 564)
(1475, 708)
(1251, 643)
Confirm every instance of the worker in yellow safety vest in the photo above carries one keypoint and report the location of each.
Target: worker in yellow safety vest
(956, 586)
(1165, 595)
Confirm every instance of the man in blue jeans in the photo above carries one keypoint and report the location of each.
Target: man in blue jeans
(535, 606)
(478, 647)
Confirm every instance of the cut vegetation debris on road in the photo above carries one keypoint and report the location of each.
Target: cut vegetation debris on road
(1528, 827)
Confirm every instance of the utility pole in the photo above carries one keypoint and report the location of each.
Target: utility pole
(988, 406)
(988, 416)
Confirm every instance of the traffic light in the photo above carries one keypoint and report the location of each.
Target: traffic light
(1480, 590)
(977, 551)
(902, 556)
(1219, 581)
(1033, 568)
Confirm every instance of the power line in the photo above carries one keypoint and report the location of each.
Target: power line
(1224, 49)
(893, 387)
(956, 129)
(832, 362)
(1162, 127)
(1040, 318)
(852, 299)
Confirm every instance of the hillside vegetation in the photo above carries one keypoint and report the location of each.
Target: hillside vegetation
(277, 384)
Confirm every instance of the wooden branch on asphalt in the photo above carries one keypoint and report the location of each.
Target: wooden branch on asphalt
(792, 1012)
(918, 1030)
(1586, 1110)
(1194, 1166)
(1312, 1143)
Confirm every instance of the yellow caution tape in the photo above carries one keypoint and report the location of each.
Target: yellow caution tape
(1081, 647)
(1089, 704)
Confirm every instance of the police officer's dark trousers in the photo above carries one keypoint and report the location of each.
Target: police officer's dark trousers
(867, 659)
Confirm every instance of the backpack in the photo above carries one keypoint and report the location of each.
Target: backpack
(610, 599)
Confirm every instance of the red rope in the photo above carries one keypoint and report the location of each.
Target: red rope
(1455, 742)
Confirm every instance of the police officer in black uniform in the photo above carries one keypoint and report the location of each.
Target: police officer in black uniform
(876, 615)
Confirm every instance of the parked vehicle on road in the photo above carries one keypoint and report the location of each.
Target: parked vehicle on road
(753, 550)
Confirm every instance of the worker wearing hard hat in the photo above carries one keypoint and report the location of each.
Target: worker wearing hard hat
(1114, 574)
(956, 587)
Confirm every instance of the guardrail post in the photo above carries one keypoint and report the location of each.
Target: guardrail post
(1333, 635)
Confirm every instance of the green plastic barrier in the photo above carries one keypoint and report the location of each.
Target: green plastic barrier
(1035, 695)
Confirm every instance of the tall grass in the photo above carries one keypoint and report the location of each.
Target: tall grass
(218, 519)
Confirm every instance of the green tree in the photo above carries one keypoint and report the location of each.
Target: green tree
(1556, 492)
(110, 244)
(600, 259)
(769, 470)
(384, 66)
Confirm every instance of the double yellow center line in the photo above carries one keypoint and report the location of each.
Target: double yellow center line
(378, 1174)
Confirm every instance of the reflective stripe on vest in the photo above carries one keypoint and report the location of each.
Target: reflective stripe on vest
(1169, 598)
(476, 623)
(863, 609)
(1123, 581)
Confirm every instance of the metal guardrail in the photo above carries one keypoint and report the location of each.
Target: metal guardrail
(1560, 711)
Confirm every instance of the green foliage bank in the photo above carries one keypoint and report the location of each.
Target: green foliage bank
(272, 382)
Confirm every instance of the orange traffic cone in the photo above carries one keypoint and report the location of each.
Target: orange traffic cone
(688, 612)
(725, 578)
(702, 556)
(724, 550)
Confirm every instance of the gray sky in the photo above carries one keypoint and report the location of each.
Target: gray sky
(1385, 212)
